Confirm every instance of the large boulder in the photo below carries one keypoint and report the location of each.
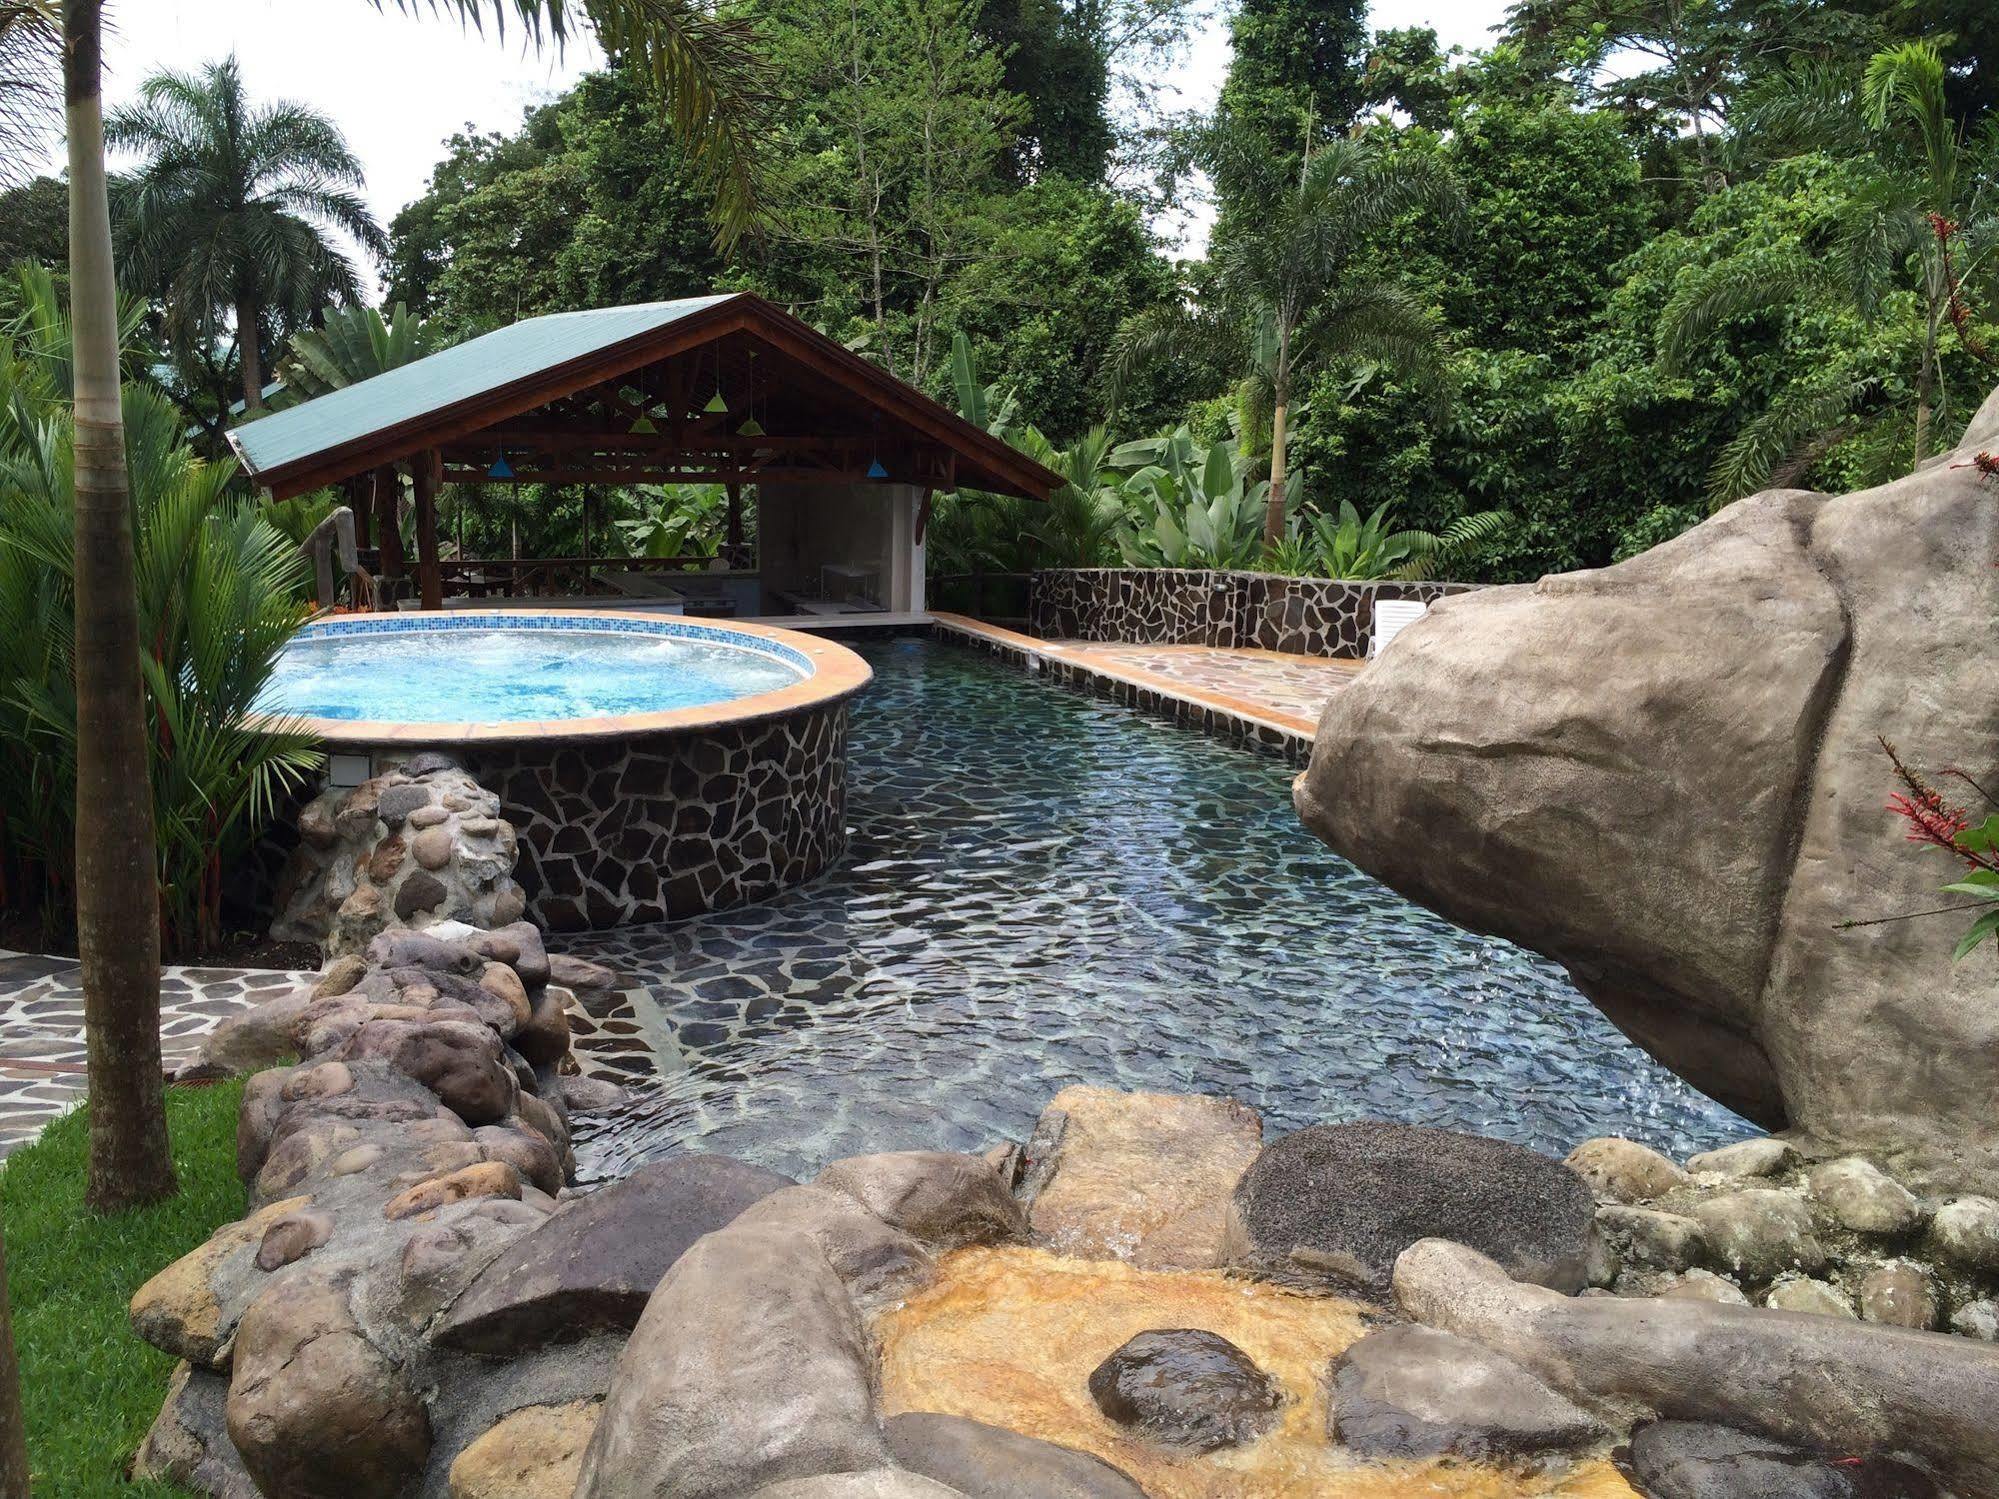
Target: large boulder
(1334, 1204)
(593, 1265)
(1668, 775)
(750, 1367)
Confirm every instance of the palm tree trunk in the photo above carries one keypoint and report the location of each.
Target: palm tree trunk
(248, 346)
(1273, 506)
(13, 1430)
(1926, 389)
(1280, 403)
(117, 885)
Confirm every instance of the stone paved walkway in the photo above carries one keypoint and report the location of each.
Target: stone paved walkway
(41, 1029)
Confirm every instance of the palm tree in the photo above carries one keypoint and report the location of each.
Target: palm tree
(710, 83)
(30, 42)
(1924, 219)
(233, 209)
(354, 344)
(1282, 291)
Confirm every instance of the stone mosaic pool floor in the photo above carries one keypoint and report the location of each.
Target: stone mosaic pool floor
(1041, 888)
(1044, 888)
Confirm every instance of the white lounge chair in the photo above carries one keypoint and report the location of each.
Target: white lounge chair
(1391, 617)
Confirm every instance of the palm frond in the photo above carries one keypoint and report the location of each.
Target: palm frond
(707, 75)
(30, 92)
(1707, 298)
(1799, 416)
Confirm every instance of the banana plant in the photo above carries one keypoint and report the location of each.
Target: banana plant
(991, 408)
(678, 520)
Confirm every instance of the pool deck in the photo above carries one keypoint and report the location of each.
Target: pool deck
(1261, 697)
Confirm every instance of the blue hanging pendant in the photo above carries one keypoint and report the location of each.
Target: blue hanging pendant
(501, 469)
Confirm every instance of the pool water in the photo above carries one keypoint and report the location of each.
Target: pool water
(1044, 889)
(473, 671)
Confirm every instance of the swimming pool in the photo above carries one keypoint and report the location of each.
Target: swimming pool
(1042, 888)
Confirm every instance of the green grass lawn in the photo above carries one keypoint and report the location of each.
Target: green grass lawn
(89, 1386)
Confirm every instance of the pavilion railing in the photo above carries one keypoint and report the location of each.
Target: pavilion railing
(542, 577)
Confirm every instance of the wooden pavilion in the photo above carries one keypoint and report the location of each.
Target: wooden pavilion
(731, 390)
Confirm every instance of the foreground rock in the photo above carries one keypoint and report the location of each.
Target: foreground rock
(1896, 1391)
(1144, 1177)
(1684, 1460)
(1187, 1388)
(1335, 1204)
(748, 1368)
(990, 1462)
(1666, 775)
(1412, 1392)
(420, 1135)
(751, 1371)
(592, 1266)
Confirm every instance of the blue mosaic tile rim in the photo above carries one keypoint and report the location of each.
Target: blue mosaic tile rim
(327, 629)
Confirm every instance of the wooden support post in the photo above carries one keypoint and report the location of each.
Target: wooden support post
(735, 524)
(424, 469)
(586, 541)
(389, 526)
(923, 515)
(360, 499)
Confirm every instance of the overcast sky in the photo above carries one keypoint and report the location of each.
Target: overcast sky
(398, 85)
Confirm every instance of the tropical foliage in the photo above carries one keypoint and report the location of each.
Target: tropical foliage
(352, 344)
(217, 596)
(230, 219)
(677, 520)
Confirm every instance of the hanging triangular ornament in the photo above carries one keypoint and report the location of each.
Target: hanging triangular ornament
(876, 471)
(716, 403)
(501, 469)
(644, 424)
(751, 428)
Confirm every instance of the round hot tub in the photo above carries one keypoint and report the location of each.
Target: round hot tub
(653, 767)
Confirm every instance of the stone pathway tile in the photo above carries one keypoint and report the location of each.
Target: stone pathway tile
(42, 1052)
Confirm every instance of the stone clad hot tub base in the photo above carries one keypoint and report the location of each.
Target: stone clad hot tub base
(661, 826)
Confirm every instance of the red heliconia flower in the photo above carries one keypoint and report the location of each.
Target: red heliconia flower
(1931, 820)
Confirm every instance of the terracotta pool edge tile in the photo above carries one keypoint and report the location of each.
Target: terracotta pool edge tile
(1079, 655)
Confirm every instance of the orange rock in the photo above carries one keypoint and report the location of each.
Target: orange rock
(1009, 1336)
(1143, 1177)
(487, 1179)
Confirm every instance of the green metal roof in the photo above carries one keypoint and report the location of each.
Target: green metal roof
(442, 380)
